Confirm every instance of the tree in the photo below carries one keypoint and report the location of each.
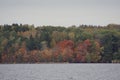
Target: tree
(109, 41)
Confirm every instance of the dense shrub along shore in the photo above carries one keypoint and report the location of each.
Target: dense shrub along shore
(56, 44)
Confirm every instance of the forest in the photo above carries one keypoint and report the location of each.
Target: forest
(23, 43)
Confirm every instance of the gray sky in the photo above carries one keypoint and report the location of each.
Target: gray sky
(60, 12)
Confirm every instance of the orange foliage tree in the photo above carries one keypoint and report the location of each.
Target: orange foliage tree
(64, 50)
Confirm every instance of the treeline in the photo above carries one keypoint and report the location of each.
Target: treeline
(76, 44)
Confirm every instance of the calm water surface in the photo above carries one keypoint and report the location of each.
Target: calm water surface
(59, 71)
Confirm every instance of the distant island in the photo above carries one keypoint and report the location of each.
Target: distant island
(56, 44)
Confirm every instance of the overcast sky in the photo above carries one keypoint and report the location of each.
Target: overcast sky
(60, 12)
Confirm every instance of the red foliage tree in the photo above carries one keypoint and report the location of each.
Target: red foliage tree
(65, 49)
(81, 50)
(66, 44)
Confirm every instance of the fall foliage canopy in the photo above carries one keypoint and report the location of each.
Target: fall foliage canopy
(75, 44)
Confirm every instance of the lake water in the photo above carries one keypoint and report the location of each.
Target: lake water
(59, 71)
